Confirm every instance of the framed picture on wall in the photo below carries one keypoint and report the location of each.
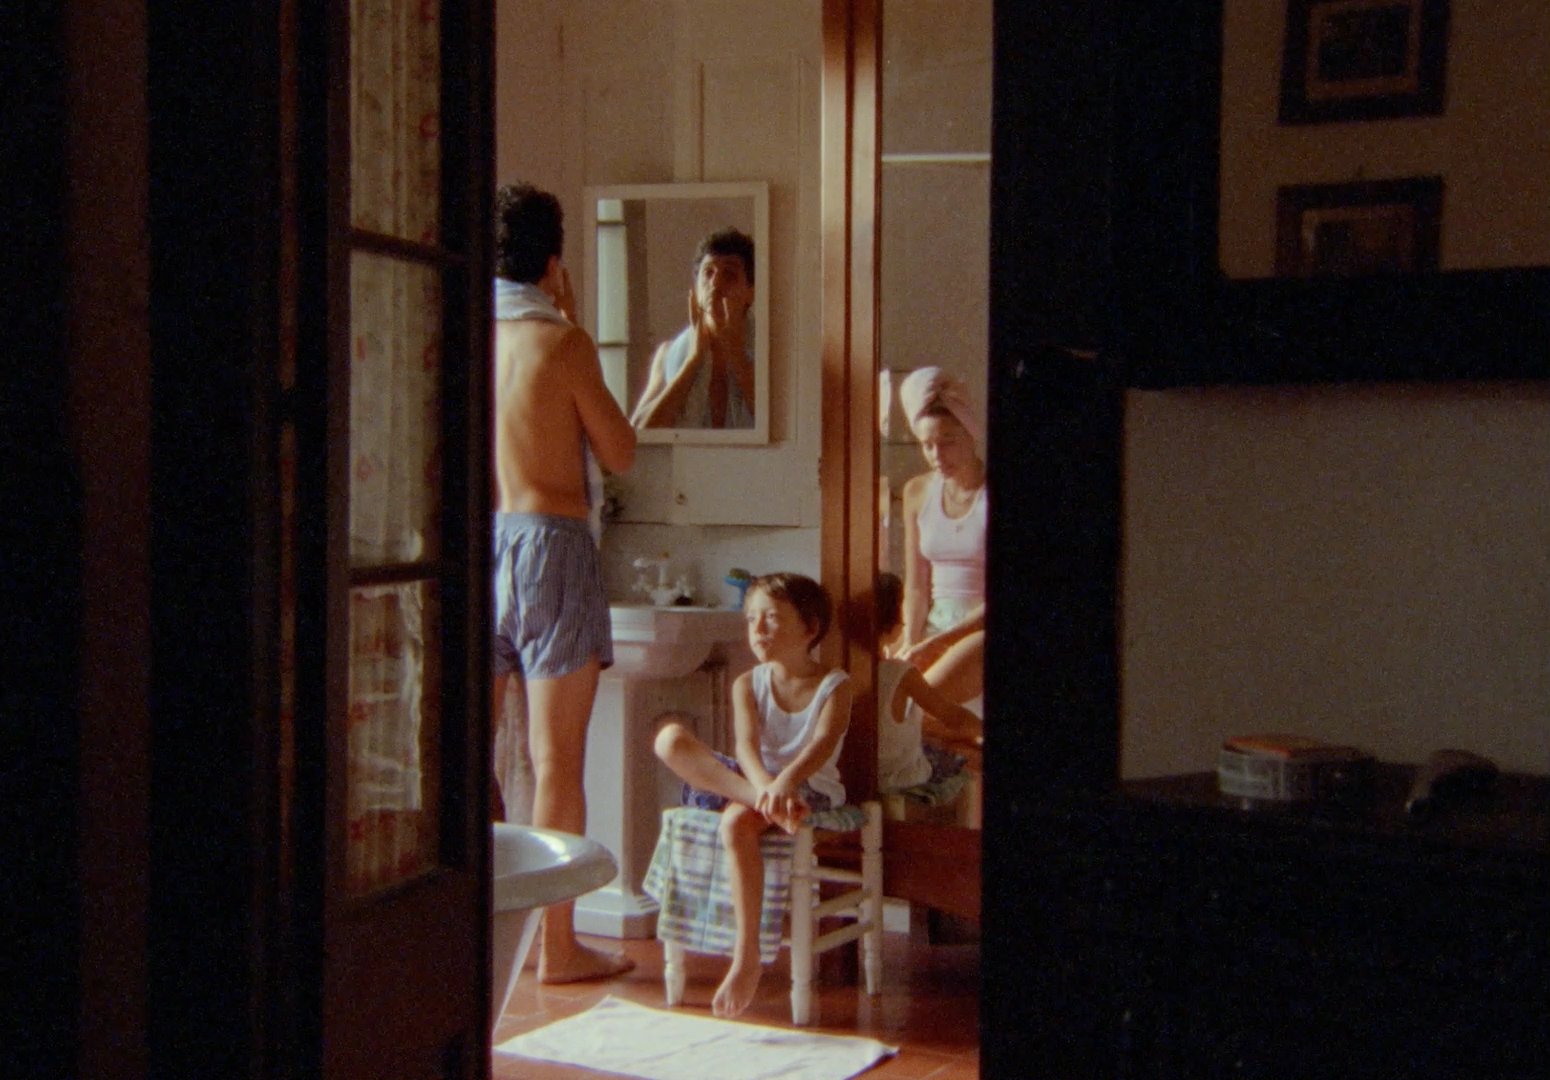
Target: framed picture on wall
(1359, 229)
(1363, 59)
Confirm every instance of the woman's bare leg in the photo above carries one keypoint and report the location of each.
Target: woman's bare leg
(959, 673)
(740, 830)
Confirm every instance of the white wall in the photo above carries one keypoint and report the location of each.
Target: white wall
(1369, 564)
(655, 91)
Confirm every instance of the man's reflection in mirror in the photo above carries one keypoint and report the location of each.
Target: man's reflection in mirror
(704, 377)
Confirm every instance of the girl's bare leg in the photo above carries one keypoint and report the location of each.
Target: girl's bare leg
(691, 760)
(740, 830)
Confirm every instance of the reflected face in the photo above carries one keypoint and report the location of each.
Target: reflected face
(722, 289)
(775, 628)
(946, 444)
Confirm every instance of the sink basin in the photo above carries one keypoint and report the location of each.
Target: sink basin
(669, 642)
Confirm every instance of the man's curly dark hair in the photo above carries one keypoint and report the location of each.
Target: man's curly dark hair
(529, 228)
(728, 241)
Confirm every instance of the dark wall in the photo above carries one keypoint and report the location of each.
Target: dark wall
(1054, 443)
(39, 548)
(214, 120)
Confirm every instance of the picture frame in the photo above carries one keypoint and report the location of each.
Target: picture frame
(1363, 59)
(1361, 229)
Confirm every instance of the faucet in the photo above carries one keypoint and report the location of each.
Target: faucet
(662, 594)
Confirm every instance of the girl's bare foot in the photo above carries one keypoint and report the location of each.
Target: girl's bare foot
(736, 990)
(581, 964)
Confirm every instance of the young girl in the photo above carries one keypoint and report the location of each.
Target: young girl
(910, 709)
(790, 715)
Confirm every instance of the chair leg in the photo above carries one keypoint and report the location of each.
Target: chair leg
(872, 881)
(673, 975)
(802, 927)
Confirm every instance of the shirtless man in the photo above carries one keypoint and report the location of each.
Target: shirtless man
(551, 614)
(704, 377)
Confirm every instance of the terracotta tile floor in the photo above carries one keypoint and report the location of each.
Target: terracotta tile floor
(928, 1007)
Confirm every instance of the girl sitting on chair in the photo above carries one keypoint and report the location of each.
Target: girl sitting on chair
(790, 714)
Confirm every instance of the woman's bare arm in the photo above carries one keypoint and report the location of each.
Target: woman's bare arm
(926, 651)
(917, 568)
(956, 724)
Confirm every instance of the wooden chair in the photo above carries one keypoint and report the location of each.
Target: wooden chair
(861, 903)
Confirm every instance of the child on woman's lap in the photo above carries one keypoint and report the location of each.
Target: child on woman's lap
(790, 714)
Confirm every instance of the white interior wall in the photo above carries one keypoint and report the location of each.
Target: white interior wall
(1369, 564)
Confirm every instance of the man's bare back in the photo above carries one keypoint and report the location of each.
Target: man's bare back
(549, 393)
(549, 389)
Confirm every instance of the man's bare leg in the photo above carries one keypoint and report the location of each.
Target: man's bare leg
(740, 830)
(558, 711)
(511, 756)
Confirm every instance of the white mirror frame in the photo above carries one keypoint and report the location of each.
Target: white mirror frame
(758, 191)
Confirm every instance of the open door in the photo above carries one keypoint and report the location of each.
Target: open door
(385, 540)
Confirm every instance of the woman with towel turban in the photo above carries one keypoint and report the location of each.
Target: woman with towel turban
(944, 538)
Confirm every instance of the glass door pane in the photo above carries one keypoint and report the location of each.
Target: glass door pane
(394, 733)
(394, 696)
(395, 118)
(395, 410)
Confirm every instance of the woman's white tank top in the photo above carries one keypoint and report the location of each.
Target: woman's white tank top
(955, 547)
(782, 735)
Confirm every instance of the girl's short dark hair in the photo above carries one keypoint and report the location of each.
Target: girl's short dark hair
(803, 593)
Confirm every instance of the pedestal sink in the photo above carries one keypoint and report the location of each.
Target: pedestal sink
(669, 642)
(679, 659)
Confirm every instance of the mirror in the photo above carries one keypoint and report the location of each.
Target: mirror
(640, 270)
(933, 265)
(1363, 137)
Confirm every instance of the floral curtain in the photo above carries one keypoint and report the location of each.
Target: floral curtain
(395, 118)
(389, 663)
(395, 451)
(395, 382)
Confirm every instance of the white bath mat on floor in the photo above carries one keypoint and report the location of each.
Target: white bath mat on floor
(659, 1044)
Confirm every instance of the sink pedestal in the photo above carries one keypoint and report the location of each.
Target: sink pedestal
(665, 659)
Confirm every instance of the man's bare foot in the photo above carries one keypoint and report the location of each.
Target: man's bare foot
(582, 964)
(736, 990)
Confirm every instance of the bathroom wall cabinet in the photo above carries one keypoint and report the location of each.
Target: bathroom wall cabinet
(764, 485)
